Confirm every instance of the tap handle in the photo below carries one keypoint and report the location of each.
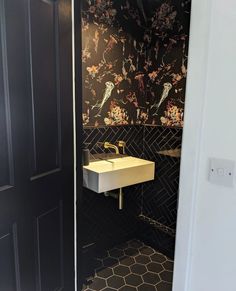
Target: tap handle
(122, 144)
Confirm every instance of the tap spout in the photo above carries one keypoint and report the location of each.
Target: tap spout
(108, 145)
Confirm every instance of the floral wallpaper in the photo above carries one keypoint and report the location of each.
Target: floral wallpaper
(134, 55)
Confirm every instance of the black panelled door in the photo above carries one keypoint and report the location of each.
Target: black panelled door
(36, 146)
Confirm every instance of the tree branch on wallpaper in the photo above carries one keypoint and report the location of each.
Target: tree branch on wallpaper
(134, 56)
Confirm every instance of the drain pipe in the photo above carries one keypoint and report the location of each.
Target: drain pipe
(119, 196)
(121, 199)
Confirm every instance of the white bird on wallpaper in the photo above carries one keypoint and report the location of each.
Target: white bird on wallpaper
(107, 94)
(167, 87)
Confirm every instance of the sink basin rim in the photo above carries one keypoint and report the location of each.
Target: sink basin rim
(104, 166)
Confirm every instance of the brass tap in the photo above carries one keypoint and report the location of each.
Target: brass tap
(108, 145)
(122, 144)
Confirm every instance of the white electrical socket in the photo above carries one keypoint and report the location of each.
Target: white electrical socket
(222, 172)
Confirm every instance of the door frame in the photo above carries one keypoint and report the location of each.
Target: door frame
(194, 120)
(78, 127)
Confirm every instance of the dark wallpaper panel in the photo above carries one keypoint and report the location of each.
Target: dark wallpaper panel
(134, 61)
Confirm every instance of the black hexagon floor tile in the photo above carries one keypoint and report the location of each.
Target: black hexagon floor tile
(159, 258)
(166, 276)
(155, 267)
(133, 280)
(168, 265)
(147, 251)
(146, 287)
(98, 284)
(104, 273)
(138, 269)
(127, 261)
(131, 252)
(128, 288)
(115, 282)
(121, 271)
(142, 259)
(109, 262)
(131, 266)
(164, 286)
(151, 278)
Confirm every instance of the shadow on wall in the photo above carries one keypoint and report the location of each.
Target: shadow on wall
(134, 61)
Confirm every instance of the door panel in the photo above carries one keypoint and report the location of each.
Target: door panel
(45, 85)
(6, 158)
(9, 263)
(36, 146)
(49, 246)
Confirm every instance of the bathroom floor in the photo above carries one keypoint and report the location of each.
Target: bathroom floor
(131, 266)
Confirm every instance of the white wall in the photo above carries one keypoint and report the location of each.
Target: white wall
(205, 257)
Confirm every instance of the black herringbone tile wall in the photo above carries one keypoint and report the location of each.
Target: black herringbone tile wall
(102, 224)
(104, 221)
(93, 139)
(158, 138)
(132, 135)
(160, 197)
